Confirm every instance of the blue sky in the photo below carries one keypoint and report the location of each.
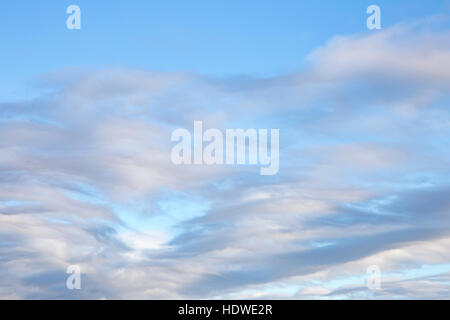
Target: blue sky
(209, 37)
(86, 178)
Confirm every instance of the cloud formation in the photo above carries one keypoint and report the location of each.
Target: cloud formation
(86, 179)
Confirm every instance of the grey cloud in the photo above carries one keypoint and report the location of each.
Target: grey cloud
(362, 123)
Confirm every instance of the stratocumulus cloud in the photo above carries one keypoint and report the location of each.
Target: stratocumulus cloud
(86, 179)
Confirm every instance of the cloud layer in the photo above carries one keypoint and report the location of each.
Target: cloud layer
(86, 179)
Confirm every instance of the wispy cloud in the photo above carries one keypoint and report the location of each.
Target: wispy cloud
(86, 179)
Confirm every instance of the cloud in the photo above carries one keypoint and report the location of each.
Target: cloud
(86, 179)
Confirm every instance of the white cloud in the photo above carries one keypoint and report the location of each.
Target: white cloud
(363, 178)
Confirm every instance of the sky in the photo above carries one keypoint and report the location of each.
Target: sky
(86, 177)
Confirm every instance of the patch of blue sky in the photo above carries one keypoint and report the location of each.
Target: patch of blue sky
(279, 290)
(427, 179)
(282, 289)
(164, 214)
(15, 203)
(259, 37)
(32, 119)
(85, 193)
(376, 206)
(396, 179)
(404, 274)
